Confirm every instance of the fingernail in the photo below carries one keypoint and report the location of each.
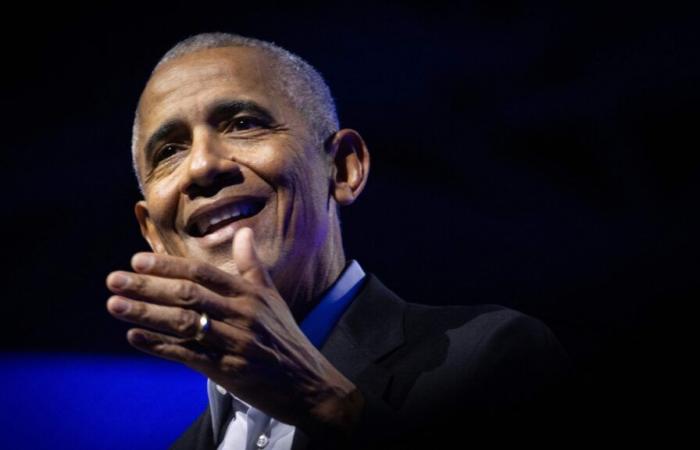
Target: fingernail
(118, 305)
(142, 261)
(118, 280)
(138, 338)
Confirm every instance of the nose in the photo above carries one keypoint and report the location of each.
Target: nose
(209, 167)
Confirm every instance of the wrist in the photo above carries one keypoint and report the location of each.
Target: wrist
(334, 415)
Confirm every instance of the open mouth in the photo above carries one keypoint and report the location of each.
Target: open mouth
(212, 221)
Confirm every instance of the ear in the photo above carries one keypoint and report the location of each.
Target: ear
(351, 165)
(148, 229)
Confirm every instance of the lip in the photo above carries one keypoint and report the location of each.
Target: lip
(211, 209)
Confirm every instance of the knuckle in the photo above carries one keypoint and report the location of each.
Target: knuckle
(198, 271)
(244, 345)
(187, 292)
(138, 310)
(246, 309)
(247, 323)
(139, 283)
(209, 276)
(185, 322)
(233, 364)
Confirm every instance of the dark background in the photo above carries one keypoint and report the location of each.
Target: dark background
(537, 155)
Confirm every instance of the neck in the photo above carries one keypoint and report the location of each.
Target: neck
(314, 276)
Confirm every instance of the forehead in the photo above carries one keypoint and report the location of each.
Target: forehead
(240, 67)
(185, 86)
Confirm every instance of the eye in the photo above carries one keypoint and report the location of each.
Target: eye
(244, 123)
(165, 152)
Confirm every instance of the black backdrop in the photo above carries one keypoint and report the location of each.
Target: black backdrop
(535, 155)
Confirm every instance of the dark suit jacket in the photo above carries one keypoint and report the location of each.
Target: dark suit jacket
(430, 374)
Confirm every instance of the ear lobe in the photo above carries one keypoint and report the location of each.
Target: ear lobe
(351, 161)
(148, 230)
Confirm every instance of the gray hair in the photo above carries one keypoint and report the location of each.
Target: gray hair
(304, 85)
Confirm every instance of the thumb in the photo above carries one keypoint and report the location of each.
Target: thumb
(246, 258)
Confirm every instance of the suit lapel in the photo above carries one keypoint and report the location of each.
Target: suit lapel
(371, 328)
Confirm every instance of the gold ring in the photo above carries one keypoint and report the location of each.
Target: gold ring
(202, 327)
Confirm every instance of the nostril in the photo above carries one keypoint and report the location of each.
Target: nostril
(212, 185)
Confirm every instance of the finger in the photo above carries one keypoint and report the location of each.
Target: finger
(185, 324)
(246, 258)
(171, 292)
(211, 364)
(185, 268)
(175, 321)
(171, 348)
(178, 322)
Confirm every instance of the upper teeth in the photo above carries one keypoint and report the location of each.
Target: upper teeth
(225, 213)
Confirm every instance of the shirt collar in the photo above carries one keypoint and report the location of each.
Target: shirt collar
(320, 321)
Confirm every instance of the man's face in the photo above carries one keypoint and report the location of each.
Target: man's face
(220, 147)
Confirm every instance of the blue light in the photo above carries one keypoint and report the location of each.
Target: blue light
(73, 401)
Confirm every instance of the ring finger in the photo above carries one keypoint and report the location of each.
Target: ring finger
(176, 321)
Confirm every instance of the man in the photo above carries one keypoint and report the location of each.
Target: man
(243, 167)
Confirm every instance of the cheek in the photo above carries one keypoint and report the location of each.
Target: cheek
(296, 174)
(276, 167)
(163, 191)
(162, 200)
(302, 180)
(304, 191)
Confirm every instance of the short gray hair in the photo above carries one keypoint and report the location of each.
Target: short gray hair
(298, 79)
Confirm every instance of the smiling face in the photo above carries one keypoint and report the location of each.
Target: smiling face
(220, 147)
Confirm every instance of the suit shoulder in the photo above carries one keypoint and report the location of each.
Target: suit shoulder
(487, 343)
(476, 321)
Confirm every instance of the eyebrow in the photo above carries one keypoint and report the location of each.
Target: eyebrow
(163, 131)
(218, 111)
(228, 108)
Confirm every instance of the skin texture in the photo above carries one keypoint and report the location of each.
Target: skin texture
(259, 275)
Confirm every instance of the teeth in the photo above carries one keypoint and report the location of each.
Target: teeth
(241, 209)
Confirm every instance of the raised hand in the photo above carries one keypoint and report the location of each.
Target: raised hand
(253, 347)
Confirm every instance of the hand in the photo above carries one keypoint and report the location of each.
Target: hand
(253, 348)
